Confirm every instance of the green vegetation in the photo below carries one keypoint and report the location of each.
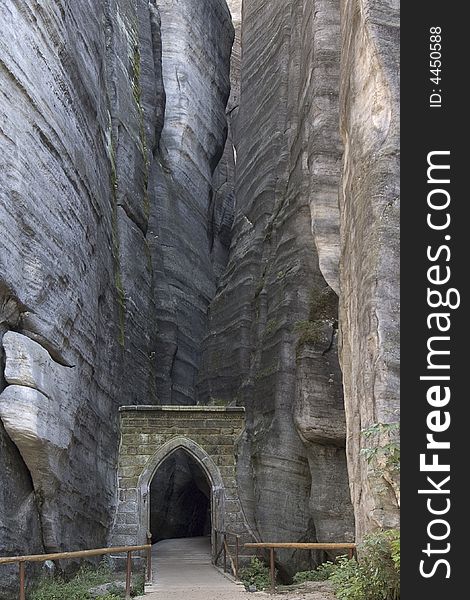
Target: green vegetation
(79, 587)
(323, 307)
(137, 92)
(383, 454)
(309, 332)
(136, 70)
(256, 573)
(267, 372)
(323, 304)
(121, 298)
(321, 573)
(388, 453)
(375, 577)
(271, 326)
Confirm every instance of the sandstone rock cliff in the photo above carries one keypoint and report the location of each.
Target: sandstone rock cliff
(165, 242)
(187, 221)
(316, 184)
(271, 344)
(82, 109)
(76, 286)
(369, 265)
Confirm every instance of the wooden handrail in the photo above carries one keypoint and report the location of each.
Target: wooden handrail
(21, 560)
(271, 546)
(64, 555)
(303, 546)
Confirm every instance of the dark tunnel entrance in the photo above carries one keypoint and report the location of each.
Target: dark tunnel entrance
(180, 504)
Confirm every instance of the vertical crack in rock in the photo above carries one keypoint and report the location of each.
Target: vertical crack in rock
(81, 111)
(196, 43)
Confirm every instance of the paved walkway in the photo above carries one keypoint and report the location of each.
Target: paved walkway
(182, 570)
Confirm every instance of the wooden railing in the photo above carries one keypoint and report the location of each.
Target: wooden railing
(350, 547)
(225, 549)
(22, 560)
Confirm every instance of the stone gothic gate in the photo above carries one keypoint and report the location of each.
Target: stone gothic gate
(149, 435)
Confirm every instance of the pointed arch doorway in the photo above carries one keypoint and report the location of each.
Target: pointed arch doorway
(182, 492)
(200, 441)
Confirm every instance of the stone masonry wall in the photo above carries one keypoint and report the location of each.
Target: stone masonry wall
(149, 434)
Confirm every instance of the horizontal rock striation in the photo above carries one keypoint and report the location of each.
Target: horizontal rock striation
(316, 129)
(79, 117)
(165, 237)
(271, 344)
(108, 237)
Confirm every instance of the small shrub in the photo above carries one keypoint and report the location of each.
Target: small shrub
(348, 580)
(321, 573)
(394, 536)
(75, 589)
(386, 446)
(323, 304)
(138, 585)
(256, 573)
(376, 576)
(310, 332)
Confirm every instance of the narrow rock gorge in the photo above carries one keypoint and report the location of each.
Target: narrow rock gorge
(198, 205)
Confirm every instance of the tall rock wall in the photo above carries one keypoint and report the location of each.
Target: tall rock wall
(165, 238)
(272, 337)
(316, 186)
(78, 116)
(104, 201)
(369, 204)
(188, 222)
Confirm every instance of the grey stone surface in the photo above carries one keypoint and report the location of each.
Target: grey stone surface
(271, 344)
(117, 222)
(38, 412)
(369, 205)
(81, 115)
(292, 154)
(20, 527)
(187, 223)
(78, 116)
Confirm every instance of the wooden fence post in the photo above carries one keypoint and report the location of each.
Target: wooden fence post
(149, 556)
(273, 573)
(22, 581)
(128, 575)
